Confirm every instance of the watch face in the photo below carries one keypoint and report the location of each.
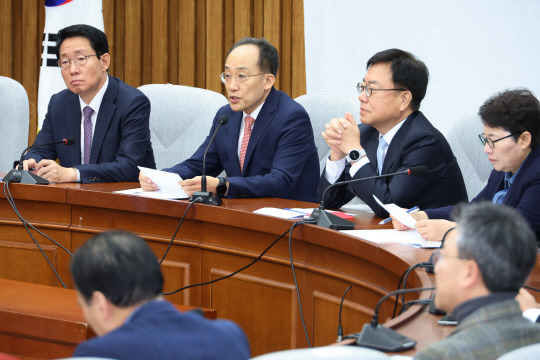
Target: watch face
(354, 155)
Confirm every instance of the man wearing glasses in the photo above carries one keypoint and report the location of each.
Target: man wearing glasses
(108, 119)
(267, 148)
(393, 136)
(478, 273)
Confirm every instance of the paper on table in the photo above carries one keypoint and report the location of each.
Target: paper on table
(167, 182)
(410, 237)
(400, 214)
(280, 213)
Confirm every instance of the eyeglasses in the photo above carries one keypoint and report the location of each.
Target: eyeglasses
(226, 77)
(437, 256)
(78, 61)
(491, 143)
(369, 90)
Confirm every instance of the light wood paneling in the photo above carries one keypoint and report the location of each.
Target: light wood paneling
(163, 41)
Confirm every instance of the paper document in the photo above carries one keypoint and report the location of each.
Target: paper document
(280, 213)
(409, 237)
(167, 183)
(400, 214)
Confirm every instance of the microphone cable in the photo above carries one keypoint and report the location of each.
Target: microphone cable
(294, 277)
(26, 224)
(239, 270)
(403, 278)
(340, 328)
(191, 202)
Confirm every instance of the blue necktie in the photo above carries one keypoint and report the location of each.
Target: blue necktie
(380, 154)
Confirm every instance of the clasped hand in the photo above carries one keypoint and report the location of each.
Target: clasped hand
(342, 135)
(50, 170)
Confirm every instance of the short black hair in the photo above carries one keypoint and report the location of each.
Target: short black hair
(120, 265)
(268, 54)
(97, 38)
(407, 72)
(500, 241)
(516, 111)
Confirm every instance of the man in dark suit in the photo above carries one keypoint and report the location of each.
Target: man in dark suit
(394, 136)
(478, 273)
(108, 119)
(119, 284)
(267, 148)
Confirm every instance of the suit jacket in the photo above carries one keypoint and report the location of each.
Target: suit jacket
(523, 195)
(157, 330)
(281, 158)
(121, 139)
(417, 142)
(487, 333)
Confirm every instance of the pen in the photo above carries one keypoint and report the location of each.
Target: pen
(410, 211)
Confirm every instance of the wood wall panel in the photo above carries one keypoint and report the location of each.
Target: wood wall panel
(163, 41)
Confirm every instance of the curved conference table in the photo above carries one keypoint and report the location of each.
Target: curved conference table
(215, 241)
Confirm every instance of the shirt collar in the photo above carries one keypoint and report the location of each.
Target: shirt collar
(390, 134)
(255, 112)
(468, 307)
(96, 101)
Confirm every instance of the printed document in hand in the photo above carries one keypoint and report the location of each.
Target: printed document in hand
(167, 183)
(400, 214)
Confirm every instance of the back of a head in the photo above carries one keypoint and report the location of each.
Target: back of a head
(500, 241)
(516, 111)
(97, 38)
(407, 71)
(120, 265)
(268, 54)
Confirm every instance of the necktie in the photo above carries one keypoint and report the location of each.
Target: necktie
(248, 124)
(87, 133)
(380, 154)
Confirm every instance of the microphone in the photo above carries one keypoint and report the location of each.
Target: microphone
(26, 177)
(329, 220)
(207, 197)
(376, 336)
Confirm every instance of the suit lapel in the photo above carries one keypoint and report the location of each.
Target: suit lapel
(105, 114)
(264, 119)
(229, 134)
(394, 149)
(73, 120)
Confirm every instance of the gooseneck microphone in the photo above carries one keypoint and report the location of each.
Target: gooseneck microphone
(376, 336)
(26, 177)
(326, 219)
(206, 197)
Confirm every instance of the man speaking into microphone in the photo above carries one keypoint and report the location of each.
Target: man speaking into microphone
(266, 147)
(393, 136)
(108, 119)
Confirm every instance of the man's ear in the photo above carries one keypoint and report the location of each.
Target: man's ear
(103, 306)
(269, 81)
(406, 98)
(105, 61)
(524, 139)
(472, 276)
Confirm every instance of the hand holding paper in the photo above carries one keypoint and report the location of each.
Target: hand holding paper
(400, 214)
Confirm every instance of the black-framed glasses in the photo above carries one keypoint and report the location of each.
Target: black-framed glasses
(79, 61)
(437, 256)
(369, 89)
(226, 77)
(491, 143)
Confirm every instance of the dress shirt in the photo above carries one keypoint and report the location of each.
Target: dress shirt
(94, 104)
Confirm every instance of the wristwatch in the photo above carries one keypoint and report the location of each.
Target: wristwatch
(221, 189)
(355, 154)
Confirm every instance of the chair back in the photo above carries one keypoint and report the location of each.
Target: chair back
(180, 119)
(14, 122)
(528, 352)
(474, 164)
(321, 109)
(326, 352)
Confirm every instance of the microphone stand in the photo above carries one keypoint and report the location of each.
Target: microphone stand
(329, 220)
(379, 337)
(19, 175)
(206, 197)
